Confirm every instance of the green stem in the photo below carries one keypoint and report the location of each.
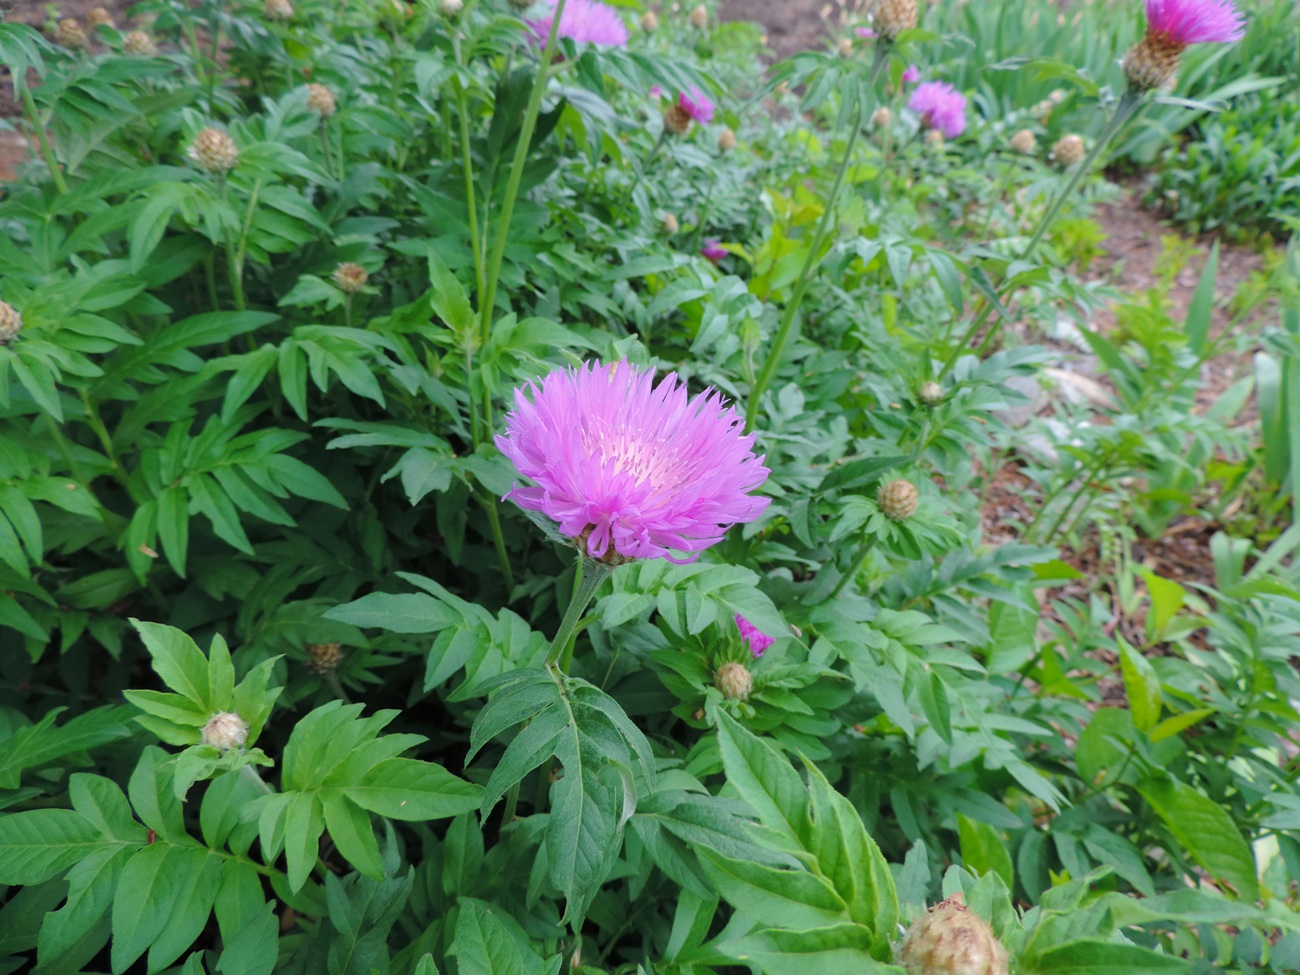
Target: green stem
(867, 545)
(42, 137)
(325, 146)
(487, 299)
(1088, 474)
(467, 165)
(590, 574)
(499, 539)
(105, 441)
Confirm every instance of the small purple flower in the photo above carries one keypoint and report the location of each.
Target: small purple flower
(656, 92)
(912, 75)
(696, 105)
(630, 469)
(752, 636)
(1195, 21)
(941, 106)
(867, 33)
(713, 250)
(584, 22)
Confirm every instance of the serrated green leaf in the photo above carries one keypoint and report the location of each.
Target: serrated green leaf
(772, 896)
(200, 876)
(303, 826)
(349, 828)
(177, 661)
(766, 781)
(1092, 957)
(1206, 831)
(406, 789)
(983, 850)
(254, 948)
(146, 891)
(36, 845)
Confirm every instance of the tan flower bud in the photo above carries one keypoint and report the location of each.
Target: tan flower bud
(898, 499)
(99, 17)
(277, 9)
(677, 120)
(350, 278)
(649, 21)
(140, 44)
(845, 48)
(734, 681)
(321, 99)
(71, 35)
(225, 730)
(952, 940)
(881, 118)
(934, 139)
(726, 140)
(699, 17)
(1024, 142)
(11, 323)
(668, 224)
(325, 657)
(930, 393)
(214, 151)
(1068, 150)
(1153, 62)
(894, 16)
(450, 8)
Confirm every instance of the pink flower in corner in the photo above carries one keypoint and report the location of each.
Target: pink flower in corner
(941, 106)
(1195, 21)
(752, 636)
(630, 469)
(912, 75)
(583, 22)
(696, 105)
(713, 250)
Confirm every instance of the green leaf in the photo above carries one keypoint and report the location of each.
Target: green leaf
(255, 947)
(1201, 309)
(303, 826)
(200, 875)
(178, 662)
(448, 297)
(983, 851)
(91, 884)
(407, 789)
(840, 950)
(349, 828)
(36, 845)
(1090, 957)
(766, 781)
(397, 613)
(146, 891)
(1206, 831)
(485, 944)
(1141, 684)
(772, 896)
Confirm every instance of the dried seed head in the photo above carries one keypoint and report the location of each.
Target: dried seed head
(649, 20)
(726, 140)
(699, 17)
(930, 393)
(1152, 62)
(321, 99)
(325, 657)
(1024, 142)
(278, 9)
(214, 151)
(881, 118)
(225, 730)
(934, 138)
(1068, 150)
(898, 499)
(677, 120)
(71, 35)
(952, 940)
(100, 17)
(668, 224)
(350, 277)
(11, 323)
(139, 43)
(450, 8)
(894, 16)
(734, 681)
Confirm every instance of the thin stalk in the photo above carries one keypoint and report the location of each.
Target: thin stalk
(1089, 473)
(590, 574)
(105, 441)
(471, 202)
(325, 146)
(867, 545)
(498, 539)
(42, 137)
(487, 299)
(234, 254)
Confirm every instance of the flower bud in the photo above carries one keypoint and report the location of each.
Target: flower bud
(898, 499)
(1024, 142)
(350, 278)
(649, 21)
(1068, 150)
(214, 151)
(845, 48)
(668, 224)
(321, 99)
(699, 17)
(934, 139)
(895, 16)
(450, 8)
(677, 119)
(726, 140)
(277, 9)
(225, 730)
(930, 393)
(881, 118)
(71, 35)
(952, 940)
(99, 17)
(11, 323)
(1152, 62)
(734, 681)
(325, 657)
(140, 44)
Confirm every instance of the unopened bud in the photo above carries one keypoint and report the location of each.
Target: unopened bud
(1068, 150)
(278, 9)
(99, 17)
(734, 681)
(140, 44)
(450, 8)
(350, 278)
(881, 118)
(951, 939)
(699, 17)
(225, 730)
(845, 48)
(71, 35)
(11, 323)
(898, 499)
(726, 140)
(895, 16)
(930, 393)
(325, 657)
(214, 151)
(1024, 142)
(321, 99)
(934, 138)
(649, 21)
(668, 224)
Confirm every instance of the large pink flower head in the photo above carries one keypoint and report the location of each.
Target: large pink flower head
(941, 106)
(583, 22)
(696, 105)
(631, 469)
(1195, 21)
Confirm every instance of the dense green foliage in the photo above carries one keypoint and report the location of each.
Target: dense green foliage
(237, 480)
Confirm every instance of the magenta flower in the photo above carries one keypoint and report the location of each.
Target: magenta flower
(1195, 21)
(584, 22)
(630, 469)
(656, 92)
(751, 635)
(941, 106)
(713, 250)
(912, 75)
(696, 105)
(867, 33)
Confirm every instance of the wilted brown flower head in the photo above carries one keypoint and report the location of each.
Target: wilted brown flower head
(11, 323)
(140, 44)
(1068, 150)
(225, 730)
(321, 99)
(350, 278)
(677, 120)
(70, 34)
(1024, 142)
(214, 151)
(892, 17)
(734, 680)
(898, 499)
(952, 940)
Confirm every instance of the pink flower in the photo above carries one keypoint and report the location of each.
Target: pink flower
(631, 469)
(696, 105)
(713, 250)
(656, 92)
(866, 32)
(757, 640)
(941, 106)
(912, 75)
(584, 22)
(1195, 21)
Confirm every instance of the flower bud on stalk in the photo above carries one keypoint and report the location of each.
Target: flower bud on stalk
(649, 21)
(450, 8)
(668, 224)
(881, 118)
(11, 323)
(140, 44)
(845, 48)
(71, 35)
(1173, 25)
(930, 393)
(350, 278)
(699, 17)
(321, 99)
(1024, 142)
(99, 17)
(1068, 151)
(278, 9)
(893, 17)
(898, 499)
(934, 139)
(726, 140)
(952, 940)
(214, 151)
(734, 680)
(325, 657)
(225, 730)
(677, 119)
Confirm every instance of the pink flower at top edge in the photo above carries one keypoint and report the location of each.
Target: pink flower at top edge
(750, 635)
(713, 250)
(628, 468)
(696, 105)
(1195, 21)
(941, 106)
(912, 75)
(583, 22)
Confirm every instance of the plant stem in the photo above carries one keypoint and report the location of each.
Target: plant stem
(590, 574)
(42, 137)
(867, 545)
(105, 441)
(498, 538)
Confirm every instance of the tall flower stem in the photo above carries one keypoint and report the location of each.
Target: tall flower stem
(783, 329)
(42, 137)
(868, 544)
(590, 574)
